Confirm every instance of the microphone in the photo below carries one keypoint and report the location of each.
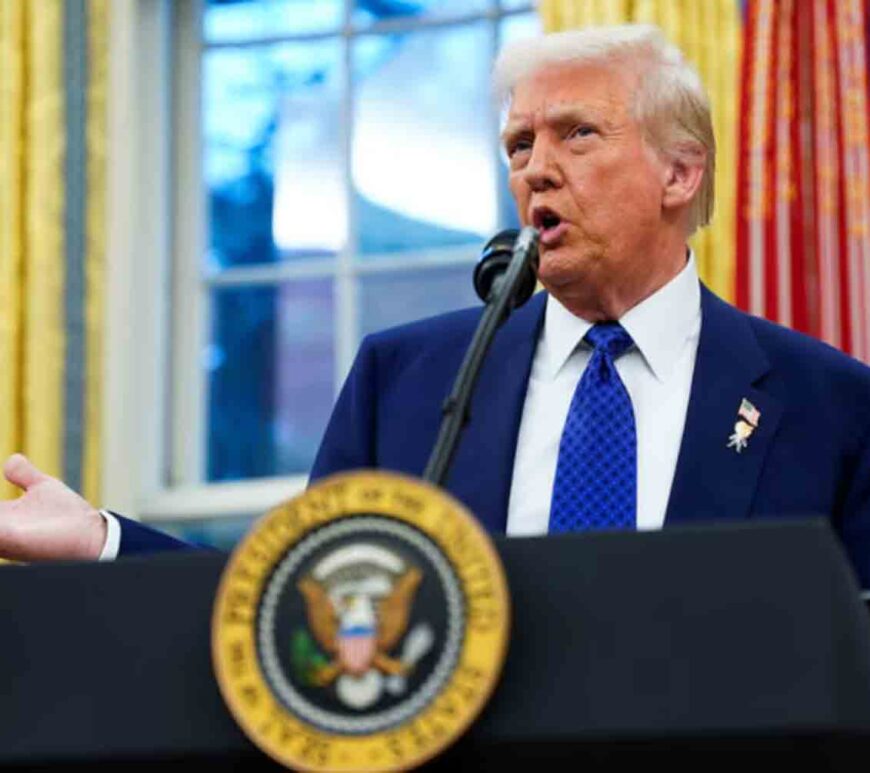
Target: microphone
(505, 279)
(495, 260)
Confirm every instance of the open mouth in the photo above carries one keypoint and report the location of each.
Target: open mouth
(548, 223)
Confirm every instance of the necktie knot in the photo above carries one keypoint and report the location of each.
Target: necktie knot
(609, 338)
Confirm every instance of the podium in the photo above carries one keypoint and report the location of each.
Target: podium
(707, 646)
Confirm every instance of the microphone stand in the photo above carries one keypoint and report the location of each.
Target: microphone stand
(500, 302)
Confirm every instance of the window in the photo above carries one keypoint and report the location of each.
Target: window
(338, 171)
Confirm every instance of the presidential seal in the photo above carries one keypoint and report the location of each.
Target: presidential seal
(361, 626)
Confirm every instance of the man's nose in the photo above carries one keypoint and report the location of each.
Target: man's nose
(542, 170)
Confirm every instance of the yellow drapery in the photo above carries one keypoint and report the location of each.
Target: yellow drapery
(709, 33)
(33, 335)
(95, 235)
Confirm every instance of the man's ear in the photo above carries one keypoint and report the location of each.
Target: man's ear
(684, 173)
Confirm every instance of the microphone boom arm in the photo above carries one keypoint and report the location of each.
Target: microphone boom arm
(499, 304)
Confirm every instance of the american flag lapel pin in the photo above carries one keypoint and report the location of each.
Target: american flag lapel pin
(748, 417)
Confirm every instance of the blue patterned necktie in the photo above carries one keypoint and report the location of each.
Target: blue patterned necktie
(596, 475)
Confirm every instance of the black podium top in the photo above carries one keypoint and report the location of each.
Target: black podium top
(690, 638)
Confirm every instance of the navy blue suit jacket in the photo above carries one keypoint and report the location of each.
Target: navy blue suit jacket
(809, 456)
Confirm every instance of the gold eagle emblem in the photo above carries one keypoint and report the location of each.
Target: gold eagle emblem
(378, 623)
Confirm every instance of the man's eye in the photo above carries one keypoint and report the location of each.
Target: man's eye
(518, 147)
(583, 130)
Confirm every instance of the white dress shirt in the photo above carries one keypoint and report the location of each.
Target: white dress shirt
(113, 537)
(657, 373)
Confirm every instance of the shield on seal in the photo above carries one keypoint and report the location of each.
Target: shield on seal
(356, 648)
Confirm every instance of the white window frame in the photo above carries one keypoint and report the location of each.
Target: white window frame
(154, 383)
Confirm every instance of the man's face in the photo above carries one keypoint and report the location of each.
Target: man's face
(581, 172)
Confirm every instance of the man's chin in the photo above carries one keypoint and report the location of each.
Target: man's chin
(560, 286)
(574, 286)
(559, 269)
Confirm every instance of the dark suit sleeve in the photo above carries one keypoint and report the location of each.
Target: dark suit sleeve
(349, 441)
(136, 538)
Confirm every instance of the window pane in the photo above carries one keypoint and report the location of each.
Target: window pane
(220, 533)
(396, 297)
(270, 377)
(511, 5)
(273, 158)
(371, 11)
(423, 155)
(237, 20)
(523, 25)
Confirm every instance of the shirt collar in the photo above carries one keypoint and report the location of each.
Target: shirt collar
(659, 325)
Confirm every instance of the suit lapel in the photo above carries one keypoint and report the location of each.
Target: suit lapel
(711, 479)
(483, 465)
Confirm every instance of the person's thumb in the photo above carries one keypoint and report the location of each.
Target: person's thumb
(20, 471)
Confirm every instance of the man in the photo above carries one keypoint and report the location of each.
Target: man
(611, 156)
(627, 395)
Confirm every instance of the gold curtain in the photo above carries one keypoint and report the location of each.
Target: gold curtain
(95, 236)
(709, 32)
(33, 243)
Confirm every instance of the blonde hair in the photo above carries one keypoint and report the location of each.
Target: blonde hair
(670, 103)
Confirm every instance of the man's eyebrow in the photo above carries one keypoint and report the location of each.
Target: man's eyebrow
(560, 114)
(514, 128)
(555, 115)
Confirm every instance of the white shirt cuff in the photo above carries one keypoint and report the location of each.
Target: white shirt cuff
(113, 537)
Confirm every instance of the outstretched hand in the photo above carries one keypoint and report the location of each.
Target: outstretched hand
(49, 521)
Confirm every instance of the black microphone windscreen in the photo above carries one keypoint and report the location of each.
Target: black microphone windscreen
(494, 261)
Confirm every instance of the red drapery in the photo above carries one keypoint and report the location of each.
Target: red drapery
(803, 188)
